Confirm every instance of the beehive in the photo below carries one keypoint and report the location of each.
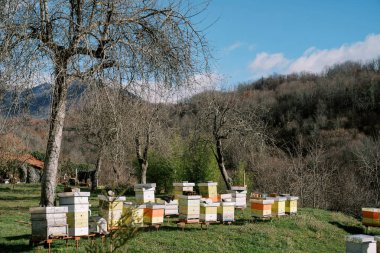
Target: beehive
(261, 208)
(171, 207)
(360, 244)
(97, 225)
(239, 196)
(144, 193)
(377, 239)
(154, 214)
(111, 208)
(278, 207)
(48, 222)
(291, 204)
(182, 188)
(225, 197)
(226, 211)
(137, 211)
(78, 211)
(189, 208)
(209, 211)
(371, 217)
(209, 190)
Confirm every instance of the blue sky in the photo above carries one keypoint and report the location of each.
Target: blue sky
(254, 38)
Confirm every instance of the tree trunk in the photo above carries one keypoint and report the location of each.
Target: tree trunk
(222, 168)
(49, 177)
(95, 175)
(143, 168)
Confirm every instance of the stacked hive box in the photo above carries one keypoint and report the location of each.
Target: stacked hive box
(209, 211)
(360, 244)
(154, 214)
(261, 208)
(291, 205)
(209, 190)
(111, 209)
(226, 211)
(278, 207)
(78, 210)
(48, 222)
(371, 217)
(225, 197)
(189, 208)
(239, 196)
(182, 188)
(171, 207)
(136, 211)
(144, 193)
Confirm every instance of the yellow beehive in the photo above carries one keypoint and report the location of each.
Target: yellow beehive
(226, 211)
(189, 208)
(144, 193)
(278, 207)
(291, 205)
(209, 212)
(182, 188)
(111, 209)
(261, 208)
(136, 210)
(209, 190)
(371, 217)
(154, 214)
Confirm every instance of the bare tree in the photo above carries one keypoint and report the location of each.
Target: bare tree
(122, 41)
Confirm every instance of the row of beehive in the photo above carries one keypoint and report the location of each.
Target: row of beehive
(263, 207)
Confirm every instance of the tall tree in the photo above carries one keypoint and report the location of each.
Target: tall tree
(120, 41)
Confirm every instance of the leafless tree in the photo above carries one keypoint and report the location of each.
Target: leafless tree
(116, 40)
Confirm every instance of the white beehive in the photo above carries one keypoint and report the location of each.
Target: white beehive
(209, 212)
(226, 211)
(48, 222)
(181, 188)
(78, 211)
(360, 244)
(189, 208)
(111, 209)
(171, 207)
(97, 225)
(144, 193)
(239, 196)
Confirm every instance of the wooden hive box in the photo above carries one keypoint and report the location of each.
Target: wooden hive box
(181, 188)
(371, 217)
(144, 193)
(209, 212)
(239, 196)
(226, 211)
(78, 211)
(209, 190)
(278, 207)
(154, 214)
(261, 208)
(225, 197)
(97, 225)
(111, 208)
(48, 222)
(137, 211)
(291, 204)
(189, 208)
(171, 208)
(360, 244)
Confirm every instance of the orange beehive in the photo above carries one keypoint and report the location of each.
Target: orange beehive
(154, 214)
(371, 217)
(261, 208)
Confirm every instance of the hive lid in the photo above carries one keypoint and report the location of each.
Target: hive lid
(210, 204)
(292, 197)
(142, 186)
(238, 188)
(111, 199)
(369, 209)
(184, 183)
(133, 205)
(189, 197)
(73, 194)
(209, 183)
(262, 201)
(154, 206)
(227, 203)
(49, 209)
(276, 198)
(359, 238)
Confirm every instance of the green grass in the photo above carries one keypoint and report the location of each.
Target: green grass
(312, 230)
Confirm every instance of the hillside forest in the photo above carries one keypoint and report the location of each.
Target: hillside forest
(311, 135)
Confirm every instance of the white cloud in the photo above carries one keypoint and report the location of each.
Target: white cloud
(315, 60)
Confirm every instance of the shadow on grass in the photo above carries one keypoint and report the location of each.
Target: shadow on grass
(18, 237)
(347, 228)
(14, 247)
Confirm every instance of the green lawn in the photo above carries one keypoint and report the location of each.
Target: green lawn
(311, 230)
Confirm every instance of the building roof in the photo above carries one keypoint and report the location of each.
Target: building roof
(24, 158)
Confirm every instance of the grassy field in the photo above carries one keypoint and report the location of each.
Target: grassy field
(311, 230)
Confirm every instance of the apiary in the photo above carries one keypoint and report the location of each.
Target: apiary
(136, 210)
(182, 188)
(360, 244)
(209, 211)
(371, 217)
(226, 211)
(78, 211)
(97, 225)
(111, 208)
(209, 190)
(189, 208)
(261, 208)
(278, 207)
(48, 222)
(239, 196)
(154, 214)
(144, 193)
(291, 204)
(171, 206)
